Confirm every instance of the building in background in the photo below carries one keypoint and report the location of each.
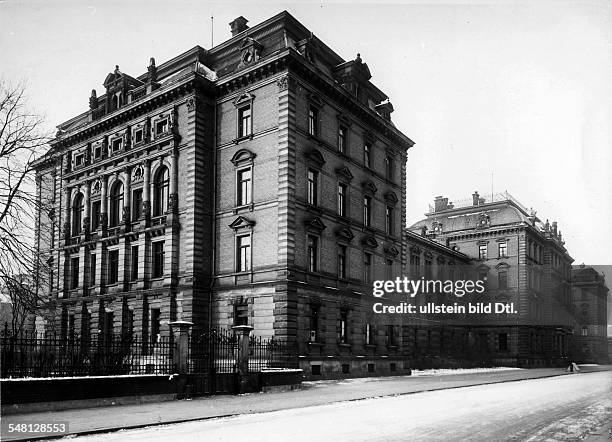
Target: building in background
(590, 298)
(523, 262)
(259, 182)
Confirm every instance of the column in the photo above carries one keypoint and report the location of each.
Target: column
(86, 208)
(104, 204)
(146, 193)
(173, 185)
(67, 209)
(127, 197)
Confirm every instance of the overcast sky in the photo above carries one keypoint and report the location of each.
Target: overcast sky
(520, 91)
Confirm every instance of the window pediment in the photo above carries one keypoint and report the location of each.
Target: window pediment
(345, 173)
(244, 99)
(243, 157)
(369, 241)
(345, 234)
(369, 186)
(391, 198)
(316, 157)
(314, 99)
(242, 223)
(391, 250)
(315, 224)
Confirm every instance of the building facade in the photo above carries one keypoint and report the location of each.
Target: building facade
(259, 182)
(522, 262)
(590, 298)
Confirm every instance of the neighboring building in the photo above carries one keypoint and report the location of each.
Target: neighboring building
(436, 340)
(590, 297)
(522, 261)
(259, 182)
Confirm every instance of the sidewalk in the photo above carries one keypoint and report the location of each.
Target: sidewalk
(103, 419)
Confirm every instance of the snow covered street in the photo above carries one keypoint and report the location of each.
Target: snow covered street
(556, 408)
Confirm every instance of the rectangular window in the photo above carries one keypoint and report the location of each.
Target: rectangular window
(313, 250)
(585, 331)
(389, 221)
(136, 204)
(314, 323)
(342, 199)
(342, 139)
(244, 122)
(368, 336)
(482, 251)
(243, 253)
(367, 210)
(428, 269)
(95, 215)
(117, 144)
(134, 264)
(138, 136)
(367, 268)
(161, 127)
(502, 339)
(97, 150)
(113, 266)
(342, 261)
(343, 332)
(313, 178)
(79, 160)
(313, 121)
(367, 152)
(502, 279)
(241, 314)
(244, 187)
(389, 268)
(155, 324)
(391, 335)
(74, 272)
(158, 259)
(415, 265)
(503, 249)
(92, 269)
(390, 166)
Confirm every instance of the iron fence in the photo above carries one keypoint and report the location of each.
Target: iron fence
(217, 351)
(31, 354)
(270, 353)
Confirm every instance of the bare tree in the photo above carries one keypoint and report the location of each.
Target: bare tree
(22, 141)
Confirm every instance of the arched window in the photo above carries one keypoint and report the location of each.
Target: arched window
(160, 194)
(116, 204)
(77, 214)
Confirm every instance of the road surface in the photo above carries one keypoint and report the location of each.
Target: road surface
(557, 408)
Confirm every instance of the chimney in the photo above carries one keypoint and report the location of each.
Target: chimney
(475, 198)
(238, 25)
(93, 100)
(554, 228)
(440, 203)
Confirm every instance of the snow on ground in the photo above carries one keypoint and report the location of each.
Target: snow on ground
(560, 408)
(429, 372)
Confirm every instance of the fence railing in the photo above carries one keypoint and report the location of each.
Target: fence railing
(217, 351)
(31, 354)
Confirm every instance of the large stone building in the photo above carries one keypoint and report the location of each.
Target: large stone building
(258, 182)
(590, 297)
(523, 262)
